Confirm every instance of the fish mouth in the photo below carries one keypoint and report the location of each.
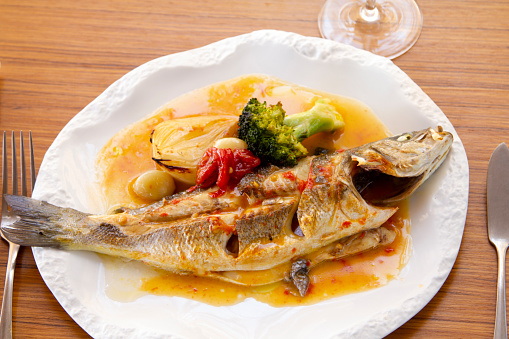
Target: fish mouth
(389, 171)
(378, 188)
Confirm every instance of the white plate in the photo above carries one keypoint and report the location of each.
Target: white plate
(438, 209)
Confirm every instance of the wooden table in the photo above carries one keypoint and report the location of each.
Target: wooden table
(58, 55)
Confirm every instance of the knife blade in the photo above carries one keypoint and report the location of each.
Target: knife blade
(498, 226)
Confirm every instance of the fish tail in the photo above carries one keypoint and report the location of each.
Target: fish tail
(36, 223)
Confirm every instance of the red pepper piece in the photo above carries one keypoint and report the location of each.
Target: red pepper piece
(207, 167)
(244, 162)
(223, 166)
(225, 156)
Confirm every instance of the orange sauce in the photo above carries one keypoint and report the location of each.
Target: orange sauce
(128, 154)
(329, 279)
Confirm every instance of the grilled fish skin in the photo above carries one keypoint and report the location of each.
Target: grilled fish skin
(249, 228)
(344, 247)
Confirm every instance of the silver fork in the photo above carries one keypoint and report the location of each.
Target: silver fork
(6, 316)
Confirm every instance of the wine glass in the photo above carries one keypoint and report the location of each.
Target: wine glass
(386, 27)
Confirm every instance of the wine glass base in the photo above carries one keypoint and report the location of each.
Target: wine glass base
(389, 30)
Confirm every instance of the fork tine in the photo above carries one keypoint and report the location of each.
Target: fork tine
(6, 311)
(32, 164)
(14, 165)
(22, 165)
(4, 164)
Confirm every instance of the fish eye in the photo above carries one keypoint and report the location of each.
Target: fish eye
(405, 137)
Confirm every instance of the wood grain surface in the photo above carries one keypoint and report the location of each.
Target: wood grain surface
(58, 55)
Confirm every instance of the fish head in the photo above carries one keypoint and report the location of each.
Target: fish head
(393, 168)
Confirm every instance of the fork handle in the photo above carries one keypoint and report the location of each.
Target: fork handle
(6, 317)
(501, 317)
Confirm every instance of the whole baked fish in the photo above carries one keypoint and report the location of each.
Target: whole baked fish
(272, 217)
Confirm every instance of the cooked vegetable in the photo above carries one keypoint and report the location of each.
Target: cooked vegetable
(222, 166)
(276, 138)
(231, 143)
(179, 144)
(261, 127)
(154, 185)
(322, 117)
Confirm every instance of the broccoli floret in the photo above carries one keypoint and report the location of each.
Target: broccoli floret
(322, 117)
(275, 138)
(261, 127)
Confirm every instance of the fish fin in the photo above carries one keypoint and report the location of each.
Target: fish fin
(300, 276)
(24, 232)
(34, 222)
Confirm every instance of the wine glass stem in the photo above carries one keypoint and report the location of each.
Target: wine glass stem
(369, 12)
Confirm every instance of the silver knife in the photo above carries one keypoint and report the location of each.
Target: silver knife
(498, 225)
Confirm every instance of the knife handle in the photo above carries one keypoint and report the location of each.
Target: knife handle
(501, 317)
